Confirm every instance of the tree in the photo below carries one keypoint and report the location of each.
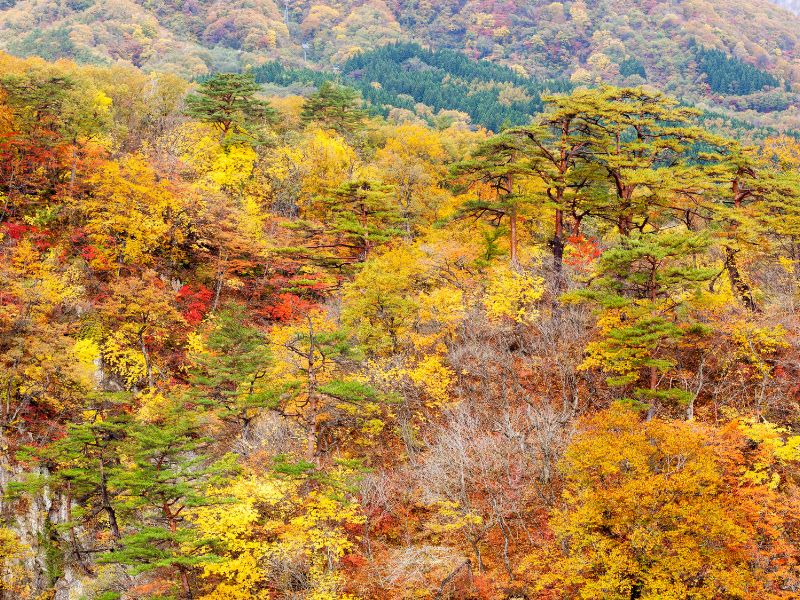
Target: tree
(645, 288)
(131, 217)
(228, 101)
(555, 150)
(654, 510)
(284, 528)
(229, 370)
(315, 363)
(36, 148)
(41, 376)
(164, 473)
(412, 163)
(335, 107)
(646, 144)
(363, 216)
(497, 171)
(141, 314)
(84, 461)
(14, 580)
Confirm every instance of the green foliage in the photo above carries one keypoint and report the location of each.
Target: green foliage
(632, 66)
(726, 75)
(230, 368)
(363, 216)
(446, 80)
(280, 74)
(164, 471)
(336, 107)
(228, 101)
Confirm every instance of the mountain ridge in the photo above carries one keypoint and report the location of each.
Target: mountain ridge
(575, 39)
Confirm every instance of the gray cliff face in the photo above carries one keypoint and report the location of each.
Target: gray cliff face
(36, 521)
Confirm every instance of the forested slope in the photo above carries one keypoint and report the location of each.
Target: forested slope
(614, 41)
(273, 347)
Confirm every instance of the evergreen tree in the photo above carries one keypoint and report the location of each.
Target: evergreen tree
(163, 472)
(228, 101)
(646, 144)
(556, 152)
(336, 107)
(364, 216)
(496, 170)
(229, 373)
(315, 364)
(645, 288)
(85, 459)
(727, 75)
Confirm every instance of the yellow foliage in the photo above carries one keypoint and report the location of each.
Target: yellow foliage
(14, 580)
(265, 521)
(288, 365)
(434, 377)
(783, 149)
(513, 295)
(124, 361)
(153, 407)
(381, 303)
(755, 345)
(86, 352)
(132, 210)
(451, 516)
(232, 168)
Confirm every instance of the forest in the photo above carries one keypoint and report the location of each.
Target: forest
(405, 81)
(622, 42)
(261, 347)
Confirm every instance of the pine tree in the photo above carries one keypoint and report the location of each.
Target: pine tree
(229, 372)
(336, 107)
(228, 101)
(497, 167)
(163, 472)
(647, 146)
(85, 460)
(556, 150)
(364, 216)
(315, 360)
(645, 288)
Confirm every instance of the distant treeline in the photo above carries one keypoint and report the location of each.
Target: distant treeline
(728, 75)
(406, 74)
(402, 75)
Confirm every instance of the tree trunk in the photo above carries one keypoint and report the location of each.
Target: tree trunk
(112, 514)
(146, 355)
(558, 246)
(513, 241)
(478, 557)
(313, 401)
(740, 287)
(186, 589)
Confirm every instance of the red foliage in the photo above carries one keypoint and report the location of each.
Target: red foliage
(17, 230)
(354, 561)
(32, 164)
(484, 587)
(89, 253)
(582, 251)
(77, 236)
(288, 307)
(194, 303)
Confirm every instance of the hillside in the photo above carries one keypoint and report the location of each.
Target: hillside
(276, 347)
(616, 41)
(399, 300)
